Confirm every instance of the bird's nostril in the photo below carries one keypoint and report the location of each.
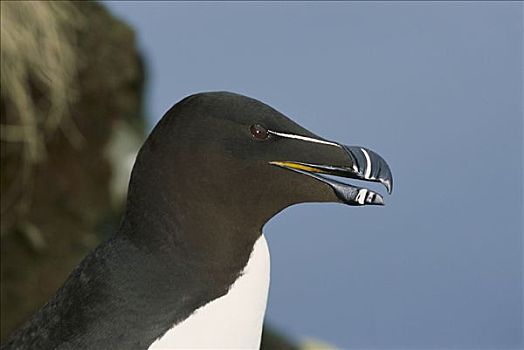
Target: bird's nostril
(259, 132)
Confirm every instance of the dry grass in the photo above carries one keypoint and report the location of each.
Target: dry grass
(38, 68)
(38, 85)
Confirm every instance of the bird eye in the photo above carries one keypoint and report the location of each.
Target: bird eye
(259, 132)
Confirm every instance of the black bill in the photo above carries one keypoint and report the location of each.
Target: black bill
(364, 164)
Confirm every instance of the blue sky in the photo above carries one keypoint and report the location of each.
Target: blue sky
(436, 89)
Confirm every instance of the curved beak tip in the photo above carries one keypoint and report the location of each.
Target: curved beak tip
(388, 183)
(370, 166)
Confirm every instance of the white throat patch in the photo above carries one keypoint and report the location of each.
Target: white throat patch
(233, 321)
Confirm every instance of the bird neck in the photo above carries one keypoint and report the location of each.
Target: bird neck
(226, 279)
(233, 321)
(199, 243)
(171, 213)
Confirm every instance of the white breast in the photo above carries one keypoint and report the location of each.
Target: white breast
(233, 321)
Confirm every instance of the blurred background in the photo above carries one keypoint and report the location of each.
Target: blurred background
(435, 87)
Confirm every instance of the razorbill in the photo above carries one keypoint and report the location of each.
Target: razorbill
(189, 265)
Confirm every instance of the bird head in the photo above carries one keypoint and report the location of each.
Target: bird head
(224, 154)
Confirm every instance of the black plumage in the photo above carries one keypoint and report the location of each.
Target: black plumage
(213, 171)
